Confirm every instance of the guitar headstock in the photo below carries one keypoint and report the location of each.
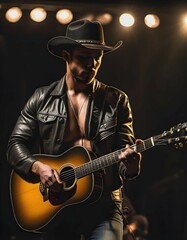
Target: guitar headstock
(176, 135)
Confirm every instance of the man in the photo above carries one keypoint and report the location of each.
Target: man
(79, 110)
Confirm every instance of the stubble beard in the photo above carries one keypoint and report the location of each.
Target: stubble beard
(81, 80)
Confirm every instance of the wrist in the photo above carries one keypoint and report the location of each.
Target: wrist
(35, 167)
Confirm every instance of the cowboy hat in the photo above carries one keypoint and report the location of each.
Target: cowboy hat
(85, 33)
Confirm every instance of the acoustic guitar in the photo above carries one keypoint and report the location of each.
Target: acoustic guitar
(35, 207)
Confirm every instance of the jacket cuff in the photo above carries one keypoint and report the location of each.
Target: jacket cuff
(24, 169)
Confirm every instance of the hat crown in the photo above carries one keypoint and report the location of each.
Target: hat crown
(84, 31)
(81, 33)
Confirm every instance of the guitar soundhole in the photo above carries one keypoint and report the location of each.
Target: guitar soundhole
(67, 175)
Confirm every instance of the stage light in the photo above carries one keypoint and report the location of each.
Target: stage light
(152, 20)
(64, 16)
(126, 20)
(13, 14)
(183, 25)
(105, 18)
(89, 17)
(185, 19)
(38, 14)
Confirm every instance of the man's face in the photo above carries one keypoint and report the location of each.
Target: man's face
(84, 64)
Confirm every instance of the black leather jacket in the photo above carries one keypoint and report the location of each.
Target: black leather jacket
(43, 120)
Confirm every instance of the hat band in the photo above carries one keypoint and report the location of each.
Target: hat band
(90, 41)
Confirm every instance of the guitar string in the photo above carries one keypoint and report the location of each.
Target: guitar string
(141, 147)
(71, 173)
(68, 174)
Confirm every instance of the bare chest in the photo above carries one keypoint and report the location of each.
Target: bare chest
(75, 126)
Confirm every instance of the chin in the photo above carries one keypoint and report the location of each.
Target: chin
(85, 80)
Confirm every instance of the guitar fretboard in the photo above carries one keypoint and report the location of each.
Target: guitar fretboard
(110, 159)
(144, 145)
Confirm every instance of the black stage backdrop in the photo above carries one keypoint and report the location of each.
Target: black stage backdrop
(150, 67)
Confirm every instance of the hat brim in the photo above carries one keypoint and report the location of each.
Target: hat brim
(57, 44)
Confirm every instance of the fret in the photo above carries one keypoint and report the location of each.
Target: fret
(142, 146)
(97, 164)
(111, 158)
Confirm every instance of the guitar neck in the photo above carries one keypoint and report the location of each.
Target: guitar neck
(144, 145)
(110, 159)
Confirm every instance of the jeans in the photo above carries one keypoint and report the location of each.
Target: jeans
(100, 221)
(110, 229)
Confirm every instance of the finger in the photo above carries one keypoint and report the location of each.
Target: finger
(57, 177)
(138, 140)
(51, 179)
(57, 185)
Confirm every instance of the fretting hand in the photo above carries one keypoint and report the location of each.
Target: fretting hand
(131, 159)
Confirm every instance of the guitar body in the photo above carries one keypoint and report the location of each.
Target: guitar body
(31, 212)
(82, 178)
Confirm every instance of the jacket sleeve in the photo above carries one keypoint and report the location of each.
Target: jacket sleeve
(21, 141)
(125, 133)
(125, 122)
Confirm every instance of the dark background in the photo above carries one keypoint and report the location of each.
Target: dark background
(150, 67)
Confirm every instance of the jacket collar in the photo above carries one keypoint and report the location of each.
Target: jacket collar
(60, 88)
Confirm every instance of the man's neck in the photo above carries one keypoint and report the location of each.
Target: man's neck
(75, 87)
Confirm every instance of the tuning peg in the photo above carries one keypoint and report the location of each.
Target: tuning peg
(179, 145)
